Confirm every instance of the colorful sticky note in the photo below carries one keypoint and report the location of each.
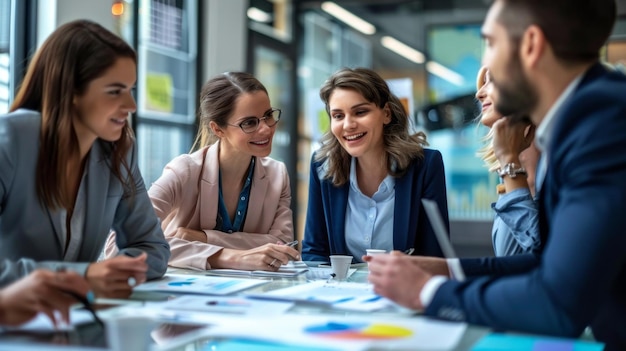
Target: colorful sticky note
(506, 342)
(257, 345)
(159, 92)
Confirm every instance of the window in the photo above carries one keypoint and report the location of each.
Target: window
(5, 35)
(166, 82)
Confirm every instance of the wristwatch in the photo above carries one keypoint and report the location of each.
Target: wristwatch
(511, 170)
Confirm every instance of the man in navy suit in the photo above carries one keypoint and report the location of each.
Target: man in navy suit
(543, 59)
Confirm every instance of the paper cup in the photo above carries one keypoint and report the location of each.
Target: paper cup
(372, 252)
(340, 265)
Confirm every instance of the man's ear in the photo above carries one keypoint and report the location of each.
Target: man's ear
(532, 46)
(216, 129)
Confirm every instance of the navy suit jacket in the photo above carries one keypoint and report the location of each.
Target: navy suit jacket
(580, 277)
(324, 234)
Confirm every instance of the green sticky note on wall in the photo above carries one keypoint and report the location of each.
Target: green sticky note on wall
(159, 92)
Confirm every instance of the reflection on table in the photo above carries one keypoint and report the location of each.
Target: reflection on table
(189, 329)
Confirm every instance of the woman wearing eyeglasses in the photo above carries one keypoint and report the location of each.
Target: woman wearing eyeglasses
(226, 205)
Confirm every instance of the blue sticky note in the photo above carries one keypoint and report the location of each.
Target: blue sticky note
(505, 342)
(257, 345)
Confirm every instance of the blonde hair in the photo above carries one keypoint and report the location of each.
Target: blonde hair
(486, 153)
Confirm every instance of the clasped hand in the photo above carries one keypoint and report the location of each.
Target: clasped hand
(511, 138)
(268, 257)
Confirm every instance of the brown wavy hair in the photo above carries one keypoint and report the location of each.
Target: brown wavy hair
(400, 146)
(71, 57)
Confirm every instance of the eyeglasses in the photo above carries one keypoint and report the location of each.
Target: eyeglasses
(251, 124)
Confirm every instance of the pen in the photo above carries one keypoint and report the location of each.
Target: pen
(86, 301)
(86, 305)
(409, 251)
(292, 243)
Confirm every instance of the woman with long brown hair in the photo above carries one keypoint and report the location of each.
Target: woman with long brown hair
(69, 166)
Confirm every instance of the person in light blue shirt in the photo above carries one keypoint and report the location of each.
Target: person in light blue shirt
(510, 151)
(370, 174)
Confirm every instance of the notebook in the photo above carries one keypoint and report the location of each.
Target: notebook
(282, 272)
(292, 269)
(439, 227)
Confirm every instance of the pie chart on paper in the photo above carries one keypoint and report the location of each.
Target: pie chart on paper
(358, 331)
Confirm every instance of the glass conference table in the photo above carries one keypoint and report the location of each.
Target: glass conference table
(188, 336)
(194, 343)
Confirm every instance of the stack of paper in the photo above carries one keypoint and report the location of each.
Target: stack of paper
(291, 269)
(222, 304)
(194, 284)
(282, 272)
(337, 295)
(343, 333)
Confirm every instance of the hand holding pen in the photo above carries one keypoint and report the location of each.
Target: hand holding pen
(290, 244)
(116, 277)
(42, 291)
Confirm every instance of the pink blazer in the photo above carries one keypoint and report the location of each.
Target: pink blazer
(186, 195)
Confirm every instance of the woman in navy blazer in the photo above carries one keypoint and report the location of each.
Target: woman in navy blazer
(69, 167)
(368, 177)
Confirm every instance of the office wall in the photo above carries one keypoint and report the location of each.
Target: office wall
(53, 13)
(223, 37)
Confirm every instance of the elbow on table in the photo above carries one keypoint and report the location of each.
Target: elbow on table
(566, 326)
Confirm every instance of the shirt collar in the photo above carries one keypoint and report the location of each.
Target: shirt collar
(544, 129)
(386, 186)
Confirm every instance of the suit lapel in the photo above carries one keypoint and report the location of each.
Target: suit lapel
(208, 187)
(401, 211)
(545, 181)
(338, 214)
(55, 222)
(98, 182)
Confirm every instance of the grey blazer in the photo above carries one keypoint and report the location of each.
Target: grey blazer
(30, 234)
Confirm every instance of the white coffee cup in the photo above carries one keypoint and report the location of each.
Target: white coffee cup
(372, 252)
(340, 265)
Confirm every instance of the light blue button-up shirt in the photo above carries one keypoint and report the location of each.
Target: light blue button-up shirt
(369, 221)
(516, 225)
